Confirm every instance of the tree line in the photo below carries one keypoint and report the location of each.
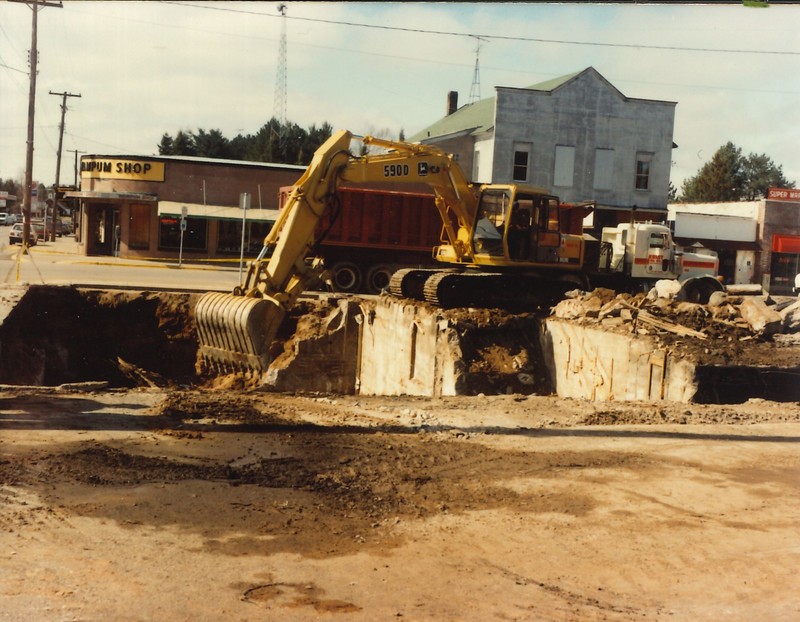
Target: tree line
(286, 143)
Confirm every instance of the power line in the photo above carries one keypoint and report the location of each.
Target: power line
(634, 46)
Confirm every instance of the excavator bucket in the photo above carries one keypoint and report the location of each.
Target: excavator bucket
(235, 332)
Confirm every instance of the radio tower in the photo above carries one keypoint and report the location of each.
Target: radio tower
(279, 111)
(475, 89)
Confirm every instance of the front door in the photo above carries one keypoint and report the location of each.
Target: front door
(100, 235)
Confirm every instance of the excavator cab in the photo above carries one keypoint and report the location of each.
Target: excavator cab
(517, 224)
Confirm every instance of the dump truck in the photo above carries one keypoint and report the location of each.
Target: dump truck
(498, 243)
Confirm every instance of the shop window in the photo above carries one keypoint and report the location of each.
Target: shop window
(139, 227)
(229, 238)
(194, 238)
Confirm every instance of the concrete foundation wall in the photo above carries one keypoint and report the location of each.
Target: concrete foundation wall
(586, 363)
(406, 350)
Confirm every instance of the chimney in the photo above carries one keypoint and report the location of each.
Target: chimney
(452, 102)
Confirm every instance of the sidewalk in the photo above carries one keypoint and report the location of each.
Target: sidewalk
(62, 263)
(67, 250)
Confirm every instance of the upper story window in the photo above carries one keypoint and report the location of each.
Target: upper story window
(564, 172)
(603, 169)
(643, 165)
(522, 156)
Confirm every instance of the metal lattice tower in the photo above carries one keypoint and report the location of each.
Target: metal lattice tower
(279, 111)
(475, 89)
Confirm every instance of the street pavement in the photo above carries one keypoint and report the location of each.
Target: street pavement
(60, 263)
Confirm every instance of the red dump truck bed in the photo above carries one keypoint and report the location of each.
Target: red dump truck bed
(376, 232)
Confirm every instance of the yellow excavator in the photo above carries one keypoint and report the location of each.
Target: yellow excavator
(499, 242)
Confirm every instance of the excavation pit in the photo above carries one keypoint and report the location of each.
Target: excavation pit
(340, 344)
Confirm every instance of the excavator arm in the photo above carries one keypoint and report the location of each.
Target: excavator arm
(235, 330)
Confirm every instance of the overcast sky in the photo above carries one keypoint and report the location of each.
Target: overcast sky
(148, 68)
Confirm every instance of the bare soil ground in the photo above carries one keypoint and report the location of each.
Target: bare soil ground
(178, 504)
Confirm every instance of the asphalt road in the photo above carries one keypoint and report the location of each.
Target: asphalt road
(60, 263)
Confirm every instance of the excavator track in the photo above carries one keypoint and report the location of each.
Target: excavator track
(449, 290)
(519, 292)
(410, 282)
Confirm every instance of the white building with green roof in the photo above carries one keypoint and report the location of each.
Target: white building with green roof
(576, 135)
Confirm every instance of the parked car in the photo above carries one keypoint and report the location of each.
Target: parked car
(4, 218)
(38, 226)
(15, 235)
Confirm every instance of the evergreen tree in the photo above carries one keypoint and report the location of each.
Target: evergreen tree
(763, 174)
(729, 176)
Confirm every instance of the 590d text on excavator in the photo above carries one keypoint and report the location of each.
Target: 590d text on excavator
(498, 242)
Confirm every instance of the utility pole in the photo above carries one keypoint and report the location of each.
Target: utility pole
(50, 231)
(76, 152)
(28, 192)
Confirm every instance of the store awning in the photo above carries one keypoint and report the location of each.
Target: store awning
(214, 212)
(786, 244)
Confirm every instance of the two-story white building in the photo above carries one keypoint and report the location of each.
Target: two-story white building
(576, 135)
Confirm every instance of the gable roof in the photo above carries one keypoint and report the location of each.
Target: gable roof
(479, 116)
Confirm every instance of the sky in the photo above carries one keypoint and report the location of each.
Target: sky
(143, 69)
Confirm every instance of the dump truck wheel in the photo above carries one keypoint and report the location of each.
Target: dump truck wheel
(346, 277)
(378, 278)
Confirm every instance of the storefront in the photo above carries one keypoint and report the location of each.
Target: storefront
(757, 241)
(161, 207)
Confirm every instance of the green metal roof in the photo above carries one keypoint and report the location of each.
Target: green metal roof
(554, 83)
(475, 117)
(479, 116)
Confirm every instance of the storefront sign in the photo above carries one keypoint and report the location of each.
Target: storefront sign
(138, 170)
(783, 194)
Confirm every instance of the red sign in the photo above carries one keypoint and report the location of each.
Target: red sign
(783, 194)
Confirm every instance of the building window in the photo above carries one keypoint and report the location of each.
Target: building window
(229, 238)
(603, 169)
(476, 166)
(194, 238)
(643, 162)
(565, 166)
(522, 155)
(139, 227)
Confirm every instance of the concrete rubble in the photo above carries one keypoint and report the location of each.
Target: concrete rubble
(726, 316)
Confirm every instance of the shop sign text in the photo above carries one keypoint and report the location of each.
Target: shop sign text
(140, 170)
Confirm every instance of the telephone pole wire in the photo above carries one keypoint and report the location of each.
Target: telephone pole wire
(50, 230)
